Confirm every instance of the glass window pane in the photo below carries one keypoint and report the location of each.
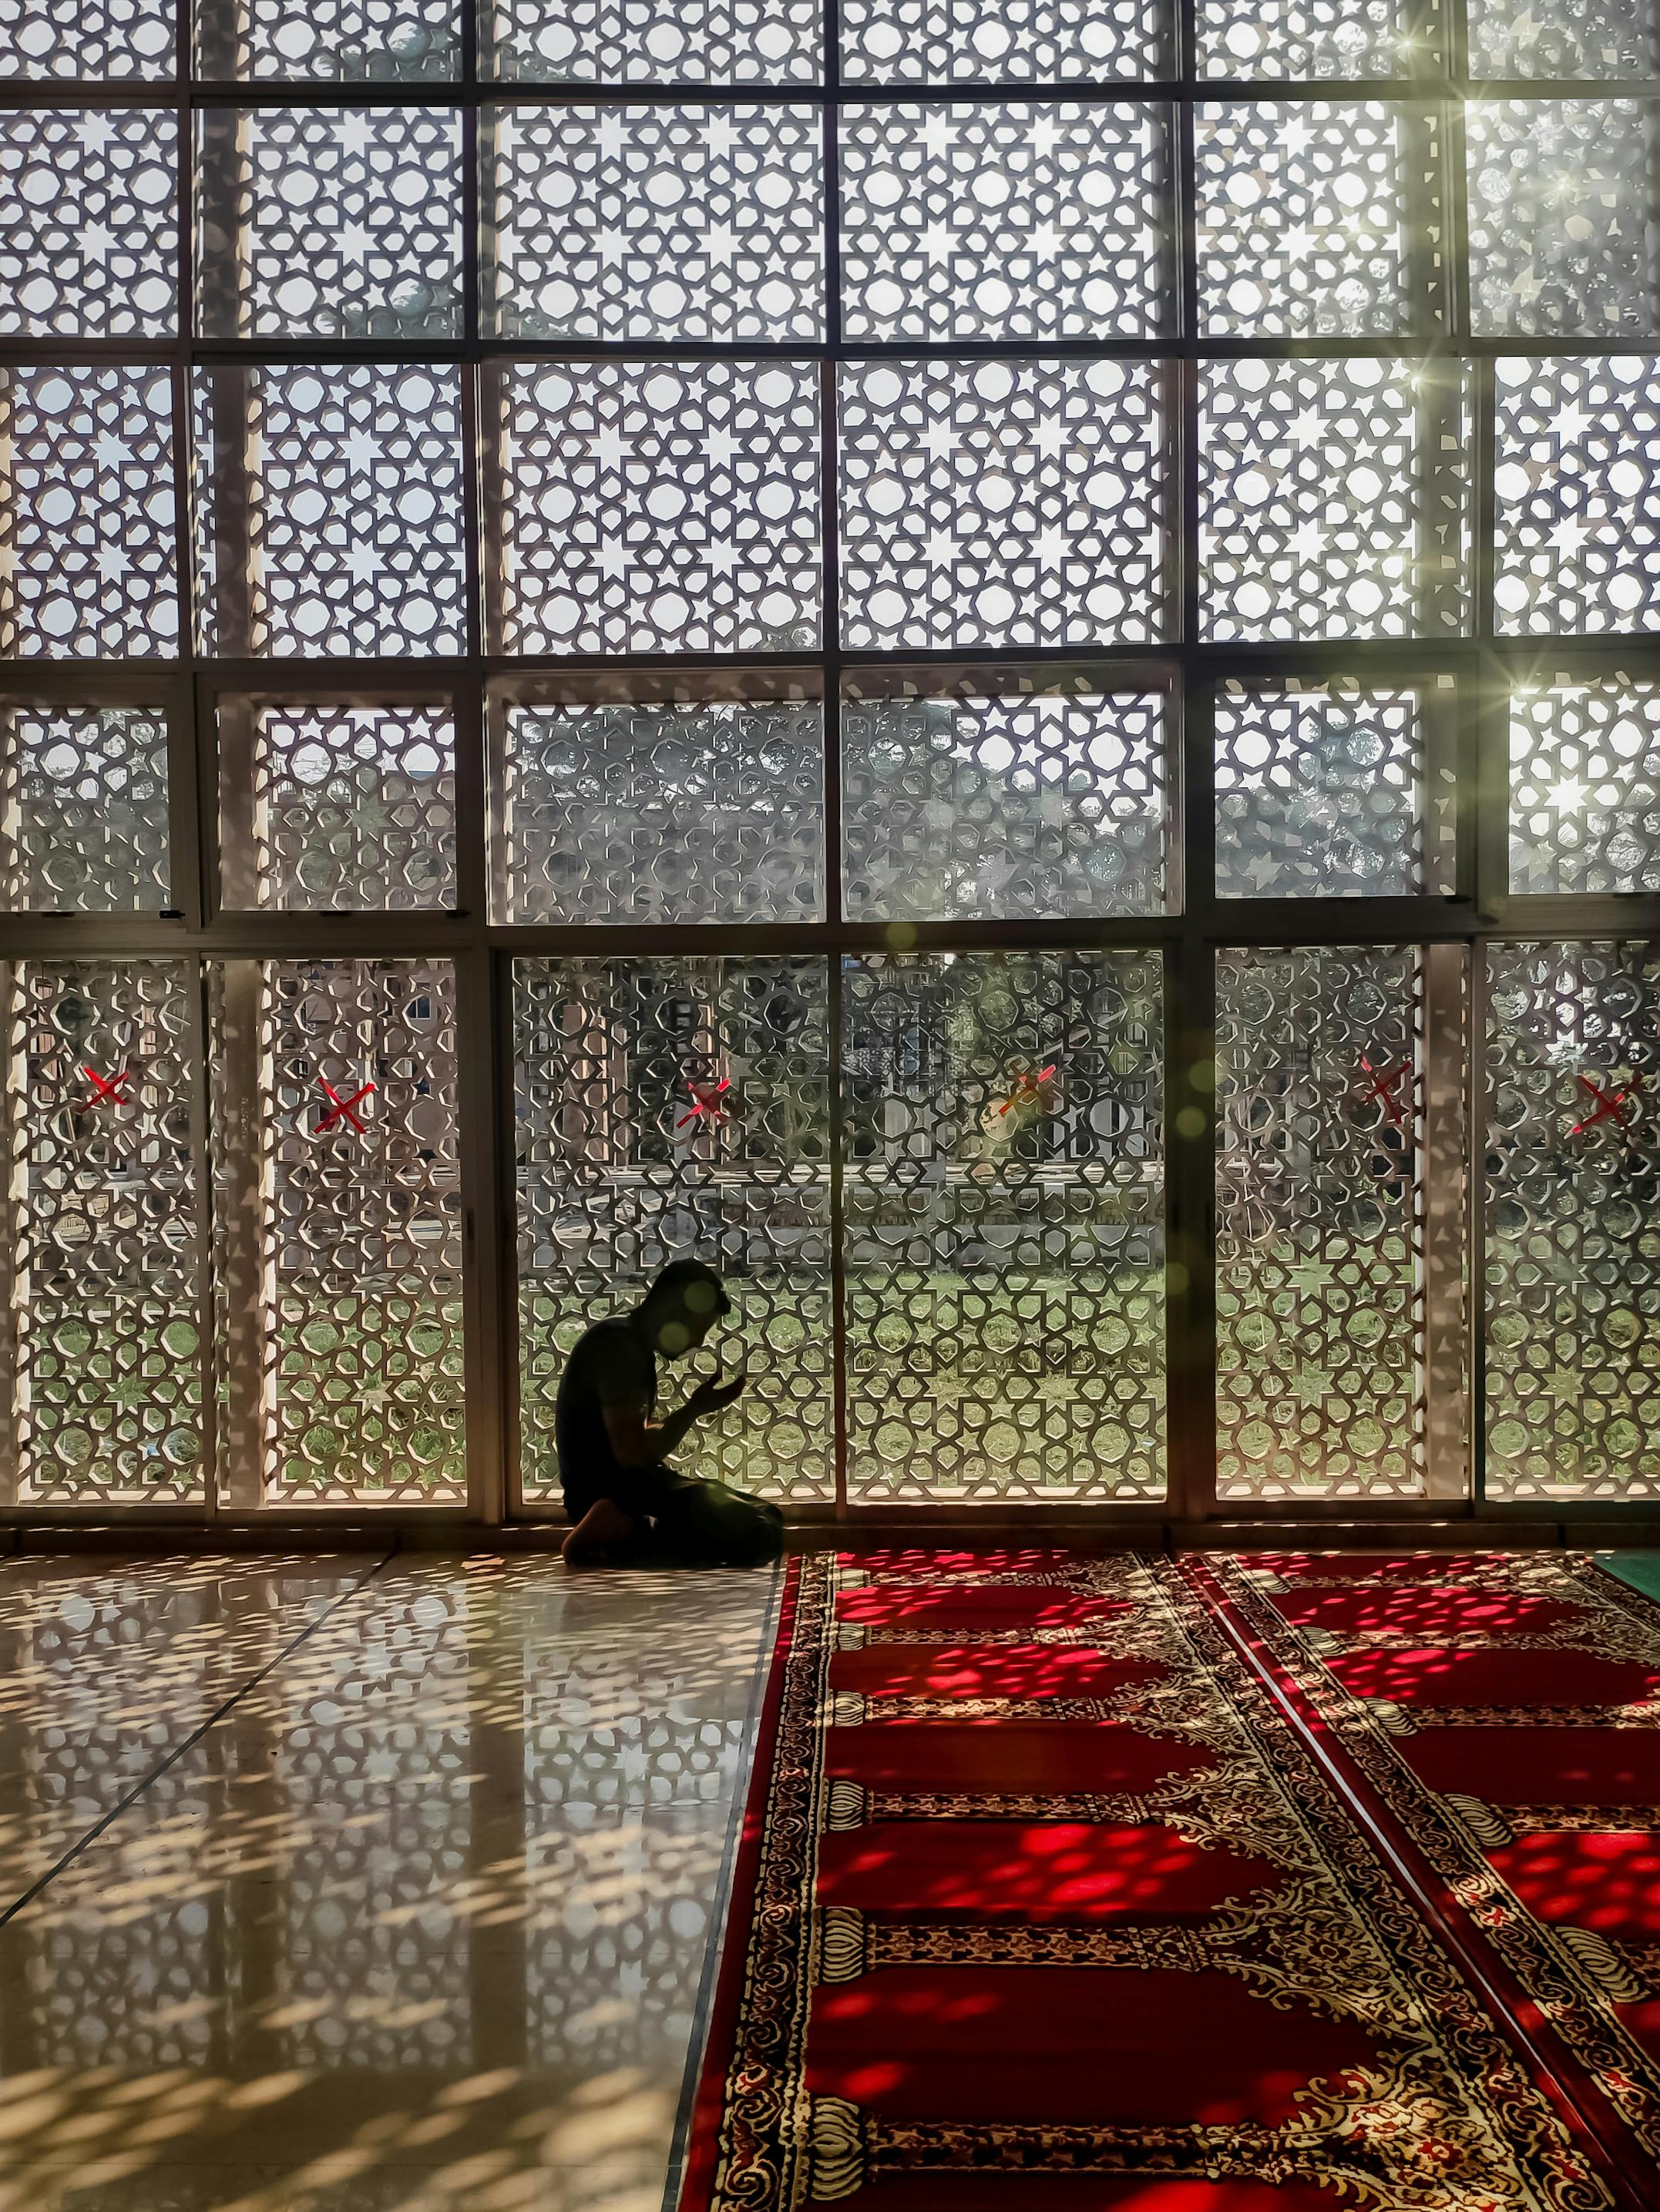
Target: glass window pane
(1591, 39)
(1004, 41)
(103, 1248)
(89, 221)
(1005, 1259)
(84, 810)
(1334, 790)
(328, 808)
(337, 41)
(714, 42)
(118, 40)
(655, 223)
(329, 222)
(1002, 503)
(1312, 39)
(338, 1232)
(85, 482)
(1563, 217)
(1323, 1265)
(1573, 1172)
(696, 808)
(1575, 531)
(1333, 499)
(1009, 220)
(673, 1108)
(1584, 814)
(328, 511)
(658, 506)
(1317, 219)
(959, 802)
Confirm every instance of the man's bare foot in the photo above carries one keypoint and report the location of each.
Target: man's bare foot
(599, 1538)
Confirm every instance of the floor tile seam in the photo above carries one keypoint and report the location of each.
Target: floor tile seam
(716, 1944)
(99, 1670)
(1597, 2126)
(195, 1736)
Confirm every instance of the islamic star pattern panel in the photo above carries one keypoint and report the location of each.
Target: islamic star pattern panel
(1319, 1224)
(89, 222)
(120, 41)
(329, 41)
(87, 484)
(103, 1233)
(1332, 791)
(1002, 503)
(1302, 217)
(336, 809)
(1572, 1183)
(1562, 242)
(1007, 176)
(1564, 39)
(659, 223)
(1007, 220)
(967, 42)
(1333, 499)
(666, 1108)
(652, 509)
(1314, 39)
(1045, 803)
(1585, 788)
(84, 810)
(330, 222)
(714, 42)
(1576, 518)
(339, 1222)
(1572, 1187)
(681, 813)
(1004, 1254)
(336, 530)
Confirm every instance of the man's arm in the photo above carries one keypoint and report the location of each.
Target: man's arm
(638, 1442)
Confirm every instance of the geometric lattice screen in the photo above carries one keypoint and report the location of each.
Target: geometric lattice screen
(1004, 1247)
(673, 1107)
(1572, 1183)
(108, 1338)
(338, 1229)
(1340, 1300)
(998, 665)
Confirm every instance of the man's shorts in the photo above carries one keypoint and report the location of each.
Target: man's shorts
(642, 1492)
(699, 1524)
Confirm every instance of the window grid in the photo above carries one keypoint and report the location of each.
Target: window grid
(1482, 662)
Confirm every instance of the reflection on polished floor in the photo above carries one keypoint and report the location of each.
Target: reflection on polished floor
(359, 1882)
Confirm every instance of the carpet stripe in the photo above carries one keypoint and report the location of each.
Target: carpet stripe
(1112, 1939)
(1527, 1779)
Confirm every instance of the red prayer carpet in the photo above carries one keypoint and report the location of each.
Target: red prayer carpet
(1047, 1902)
(1504, 1711)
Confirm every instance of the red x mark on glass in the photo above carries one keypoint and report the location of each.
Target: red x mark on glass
(104, 1093)
(1029, 1086)
(1610, 1105)
(1383, 1088)
(342, 1106)
(706, 1103)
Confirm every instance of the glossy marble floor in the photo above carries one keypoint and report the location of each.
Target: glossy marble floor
(359, 1882)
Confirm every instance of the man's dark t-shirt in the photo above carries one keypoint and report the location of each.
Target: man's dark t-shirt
(610, 1364)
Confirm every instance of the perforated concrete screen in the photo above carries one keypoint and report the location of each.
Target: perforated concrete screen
(992, 663)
